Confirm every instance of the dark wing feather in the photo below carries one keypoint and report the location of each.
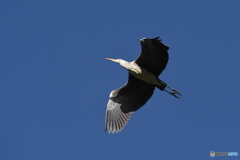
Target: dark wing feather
(126, 100)
(154, 56)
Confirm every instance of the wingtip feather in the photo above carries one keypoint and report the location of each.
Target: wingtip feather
(116, 120)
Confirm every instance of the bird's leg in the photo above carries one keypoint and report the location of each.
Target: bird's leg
(175, 92)
(162, 86)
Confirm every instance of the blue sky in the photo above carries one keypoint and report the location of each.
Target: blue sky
(55, 81)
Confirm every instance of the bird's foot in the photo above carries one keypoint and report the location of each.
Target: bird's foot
(175, 92)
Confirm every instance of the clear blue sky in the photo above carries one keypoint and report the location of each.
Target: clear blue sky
(55, 82)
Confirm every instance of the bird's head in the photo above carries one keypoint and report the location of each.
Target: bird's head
(114, 60)
(120, 61)
(131, 66)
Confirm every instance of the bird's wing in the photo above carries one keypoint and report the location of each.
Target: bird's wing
(126, 100)
(154, 55)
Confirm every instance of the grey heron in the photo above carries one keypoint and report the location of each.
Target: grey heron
(142, 80)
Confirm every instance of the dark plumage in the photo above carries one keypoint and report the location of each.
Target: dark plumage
(154, 56)
(143, 78)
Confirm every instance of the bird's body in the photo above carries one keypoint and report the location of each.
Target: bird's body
(146, 76)
(143, 78)
(139, 72)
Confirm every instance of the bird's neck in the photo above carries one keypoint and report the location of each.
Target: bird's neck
(132, 67)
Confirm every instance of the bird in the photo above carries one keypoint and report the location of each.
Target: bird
(142, 81)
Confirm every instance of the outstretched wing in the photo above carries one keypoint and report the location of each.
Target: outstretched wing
(124, 101)
(154, 56)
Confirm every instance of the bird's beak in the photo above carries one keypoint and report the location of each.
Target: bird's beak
(114, 60)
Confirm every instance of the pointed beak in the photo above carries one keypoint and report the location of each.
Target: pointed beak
(114, 60)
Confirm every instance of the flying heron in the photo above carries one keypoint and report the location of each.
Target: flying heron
(142, 80)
